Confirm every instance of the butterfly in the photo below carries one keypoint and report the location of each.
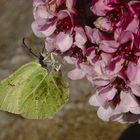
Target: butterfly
(34, 91)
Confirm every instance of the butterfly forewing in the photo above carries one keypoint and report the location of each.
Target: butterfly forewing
(10, 88)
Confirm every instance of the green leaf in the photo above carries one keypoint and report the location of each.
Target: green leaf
(33, 93)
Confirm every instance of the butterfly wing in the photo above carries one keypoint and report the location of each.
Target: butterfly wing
(44, 95)
(33, 93)
(11, 87)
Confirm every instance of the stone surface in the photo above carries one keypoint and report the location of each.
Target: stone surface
(77, 120)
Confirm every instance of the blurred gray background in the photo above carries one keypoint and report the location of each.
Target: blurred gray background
(77, 120)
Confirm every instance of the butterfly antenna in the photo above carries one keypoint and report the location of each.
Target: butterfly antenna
(28, 48)
(43, 49)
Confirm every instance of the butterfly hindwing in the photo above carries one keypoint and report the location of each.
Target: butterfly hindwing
(47, 96)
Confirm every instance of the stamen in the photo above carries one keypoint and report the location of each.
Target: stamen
(64, 25)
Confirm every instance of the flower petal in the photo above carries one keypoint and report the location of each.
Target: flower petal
(64, 41)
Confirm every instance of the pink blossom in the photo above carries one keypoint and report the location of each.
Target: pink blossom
(115, 16)
(116, 102)
(101, 38)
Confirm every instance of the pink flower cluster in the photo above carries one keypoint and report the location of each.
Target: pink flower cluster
(102, 39)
